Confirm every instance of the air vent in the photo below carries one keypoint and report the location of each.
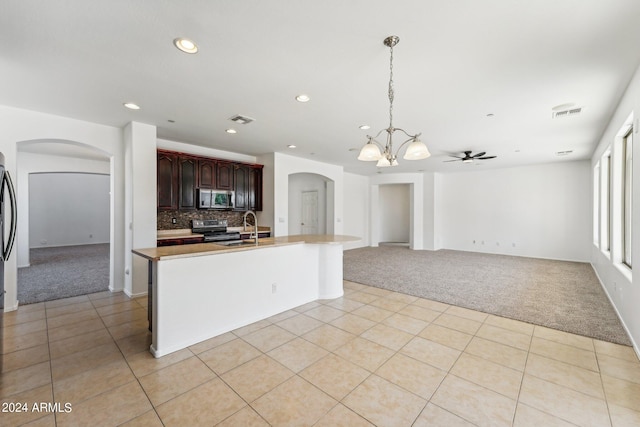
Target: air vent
(566, 113)
(241, 120)
(564, 153)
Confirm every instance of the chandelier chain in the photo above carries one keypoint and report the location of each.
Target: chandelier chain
(391, 92)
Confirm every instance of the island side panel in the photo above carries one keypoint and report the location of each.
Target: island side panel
(331, 270)
(197, 298)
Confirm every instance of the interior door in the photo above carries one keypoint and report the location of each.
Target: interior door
(309, 221)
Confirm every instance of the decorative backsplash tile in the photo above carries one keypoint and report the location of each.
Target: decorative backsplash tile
(183, 218)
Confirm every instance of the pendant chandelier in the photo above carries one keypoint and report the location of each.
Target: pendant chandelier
(370, 152)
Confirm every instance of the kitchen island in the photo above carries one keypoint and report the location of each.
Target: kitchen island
(202, 290)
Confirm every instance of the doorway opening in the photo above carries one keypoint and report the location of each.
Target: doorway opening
(395, 214)
(311, 204)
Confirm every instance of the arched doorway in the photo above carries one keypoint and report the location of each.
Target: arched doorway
(311, 204)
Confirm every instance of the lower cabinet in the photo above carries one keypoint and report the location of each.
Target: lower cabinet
(183, 241)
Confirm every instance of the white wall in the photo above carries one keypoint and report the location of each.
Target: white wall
(538, 211)
(299, 183)
(619, 285)
(394, 219)
(356, 209)
(68, 209)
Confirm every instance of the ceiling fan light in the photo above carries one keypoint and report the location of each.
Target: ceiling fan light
(370, 152)
(417, 150)
(467, 160)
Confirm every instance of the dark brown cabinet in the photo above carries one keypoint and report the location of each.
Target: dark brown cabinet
(206, 173)
(167, 181)
(255, 188)
(187, 182)
(224, 175)
(241, 187)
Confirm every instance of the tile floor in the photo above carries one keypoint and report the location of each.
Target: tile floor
(373, 357)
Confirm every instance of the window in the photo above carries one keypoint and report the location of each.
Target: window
(596, 205)
(627, 195)
(605, 203)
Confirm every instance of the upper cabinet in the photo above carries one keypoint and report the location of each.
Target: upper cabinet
(180, 175)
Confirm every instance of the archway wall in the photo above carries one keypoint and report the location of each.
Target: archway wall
(22, 125)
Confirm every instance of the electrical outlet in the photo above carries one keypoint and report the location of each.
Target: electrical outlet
(174, 221)
(474, 242)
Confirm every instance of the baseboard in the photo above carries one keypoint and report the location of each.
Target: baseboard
(14, 307)
(138, 295)
(624, 325)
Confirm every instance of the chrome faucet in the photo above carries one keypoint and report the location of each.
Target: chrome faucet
(254, 233)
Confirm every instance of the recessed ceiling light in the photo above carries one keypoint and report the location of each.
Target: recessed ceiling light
(291, 146)
(185, 45)
(131, 106)
(231, 131)
(490, 115)
(303, 98)
(365, 127)
(171, 121)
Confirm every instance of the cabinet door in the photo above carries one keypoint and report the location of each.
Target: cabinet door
(241, 187)
(255, 188)
(187, 182)
(206, 173)
(167, 181)
(224, 176)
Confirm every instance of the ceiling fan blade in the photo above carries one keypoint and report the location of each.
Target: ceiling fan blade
(457, 160)
(486, 157)
(475, 156)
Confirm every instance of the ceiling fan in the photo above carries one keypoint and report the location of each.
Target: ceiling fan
(468, 158)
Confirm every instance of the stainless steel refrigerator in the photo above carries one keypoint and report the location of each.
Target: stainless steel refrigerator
(6, 186)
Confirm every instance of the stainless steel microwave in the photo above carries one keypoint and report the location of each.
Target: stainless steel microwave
(215, 199)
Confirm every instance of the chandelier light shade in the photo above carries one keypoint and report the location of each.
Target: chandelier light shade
(371, 151)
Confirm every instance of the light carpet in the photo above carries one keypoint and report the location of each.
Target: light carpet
(557, 294)
(64, 271)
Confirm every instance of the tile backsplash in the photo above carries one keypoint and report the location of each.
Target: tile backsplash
(183, 218)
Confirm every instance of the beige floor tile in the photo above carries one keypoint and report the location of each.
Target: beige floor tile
(561, 337)
(335, 376)
(22, 315)
(68, 309)
(505, 336)
(148, 419)
(143, 301)
(300, 324)
(165, 384)
(365, 353)
(77, 343)
(619, 368)
(412, 375)
(21, 380)
(282, 316)
(324, 313)
(352, 285)
(24, 328)
(362, 297)
(295, 402)
(473, 403)
(298, 354)
(422, 313)
(388, 304)
(124, 330)
(75, 329)
(498, 353)
(353, 324)
(487, 374)
(615, 350)
(341, 416)
(621, 393)
(46, 421)
(66, 301)
(135, 343)
(99, 295)
(466, 313)
(268, 338)
(387, 336)
(81, 361)
(212, 343)
(431, 304)
(253, 327)
(328, 337)
(70, 318)
(623, 417)
(114, 299)
(229, 355)
(114, 407)
(446, 336)
(23, 358)
(526, 416)
(188, 409)
(570, 376)
(433, 416)
(144, 363)
(36, 395)
(565, 353)
(345, 304)
(245, 417)
(383, 403)
(31, 308)
(308, 306)
(119, 307)
(377, 291)
(431, 352)
(457, 323)
(405, 323)
(563, 402)
(90, 383)
(134, 315)
(257, 377)
(22, 342)
(510, 324)
(397, 296)
(372, 313)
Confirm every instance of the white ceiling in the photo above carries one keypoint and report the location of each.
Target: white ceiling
(457, 61)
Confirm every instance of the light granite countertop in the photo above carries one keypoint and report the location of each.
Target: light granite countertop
(185, 233)
(203, 249)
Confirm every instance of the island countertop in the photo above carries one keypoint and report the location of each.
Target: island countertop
(203, 249)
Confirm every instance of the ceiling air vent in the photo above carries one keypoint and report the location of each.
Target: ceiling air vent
(564, 153)
(241, 120)
(566, 112)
